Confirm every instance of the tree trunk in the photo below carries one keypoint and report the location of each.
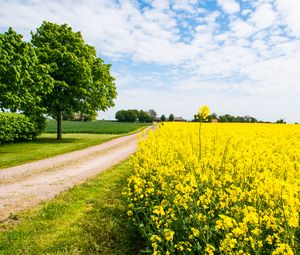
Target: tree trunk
(59, 116)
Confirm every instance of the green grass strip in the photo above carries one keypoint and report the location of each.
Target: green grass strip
(95, 127)
(47, 146)
(88, 219)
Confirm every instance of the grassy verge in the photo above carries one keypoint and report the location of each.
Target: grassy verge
(47, 146)
(88, 219)
(95, 127)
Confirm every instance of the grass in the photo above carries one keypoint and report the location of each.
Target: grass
(88, 219)
(95, 127)
(47, 146)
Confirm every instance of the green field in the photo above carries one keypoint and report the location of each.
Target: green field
(47, 146)
(95, 127)
(88, 219)
(77, 135)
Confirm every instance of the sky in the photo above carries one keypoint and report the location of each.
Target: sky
(239, 57)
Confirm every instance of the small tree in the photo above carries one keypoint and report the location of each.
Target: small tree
(131, 116)
(144, 116)
(152, 114)
(120, 115)
(163, 118)
(171, 117)
(280, 121)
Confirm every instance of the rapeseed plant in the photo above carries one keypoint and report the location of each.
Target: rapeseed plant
(242, 196)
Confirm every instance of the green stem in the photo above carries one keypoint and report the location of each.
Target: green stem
(200, 138)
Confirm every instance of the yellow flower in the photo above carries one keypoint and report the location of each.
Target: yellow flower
(168, 234)
(283, 248)
(195, 231)
(249, 188)
(209, 250)
(204, 112)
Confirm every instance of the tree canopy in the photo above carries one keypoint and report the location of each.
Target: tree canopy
(82, 82)
(152, 114)
(171, 117)
(24, 81)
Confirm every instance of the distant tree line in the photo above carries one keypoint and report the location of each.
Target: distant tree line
(164, 118)
(230, 118)
(241, 119)
(134, 115)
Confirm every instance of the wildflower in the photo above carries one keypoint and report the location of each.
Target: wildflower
(204, 112)
(209, 250)
(168, 234)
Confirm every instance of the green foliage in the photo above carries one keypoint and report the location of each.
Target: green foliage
(144, 117)
(163, 118)
(95, 127)
(24, 81)
(120, 115)
(229, 118)
(241, 119)
(171, 117)
(152, 114)
(133, 116)
(82, 82)
(280, 121)
(16, 127)
(87, 219)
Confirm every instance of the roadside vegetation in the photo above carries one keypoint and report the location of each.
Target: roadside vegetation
(88, 219)
(95, 127)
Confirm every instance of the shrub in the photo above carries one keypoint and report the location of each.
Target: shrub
(17, 127)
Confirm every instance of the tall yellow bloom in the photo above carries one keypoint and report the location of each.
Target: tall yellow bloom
(204, 112)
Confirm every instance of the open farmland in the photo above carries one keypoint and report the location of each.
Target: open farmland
(228, 189)
(95, 127)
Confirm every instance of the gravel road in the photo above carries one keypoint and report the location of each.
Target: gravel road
(25, 186)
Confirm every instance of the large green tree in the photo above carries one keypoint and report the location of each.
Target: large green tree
(24, 81)
(82, 82)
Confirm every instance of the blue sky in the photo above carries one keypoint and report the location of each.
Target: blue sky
(238, 57)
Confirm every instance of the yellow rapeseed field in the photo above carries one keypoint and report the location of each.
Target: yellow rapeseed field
(228, 189)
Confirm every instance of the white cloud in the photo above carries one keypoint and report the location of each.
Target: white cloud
(242, 28)
(289, 10)
(229, 6)
(264, 16)
(160, 4)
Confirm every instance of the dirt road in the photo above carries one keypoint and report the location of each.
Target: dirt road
(27, 185)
